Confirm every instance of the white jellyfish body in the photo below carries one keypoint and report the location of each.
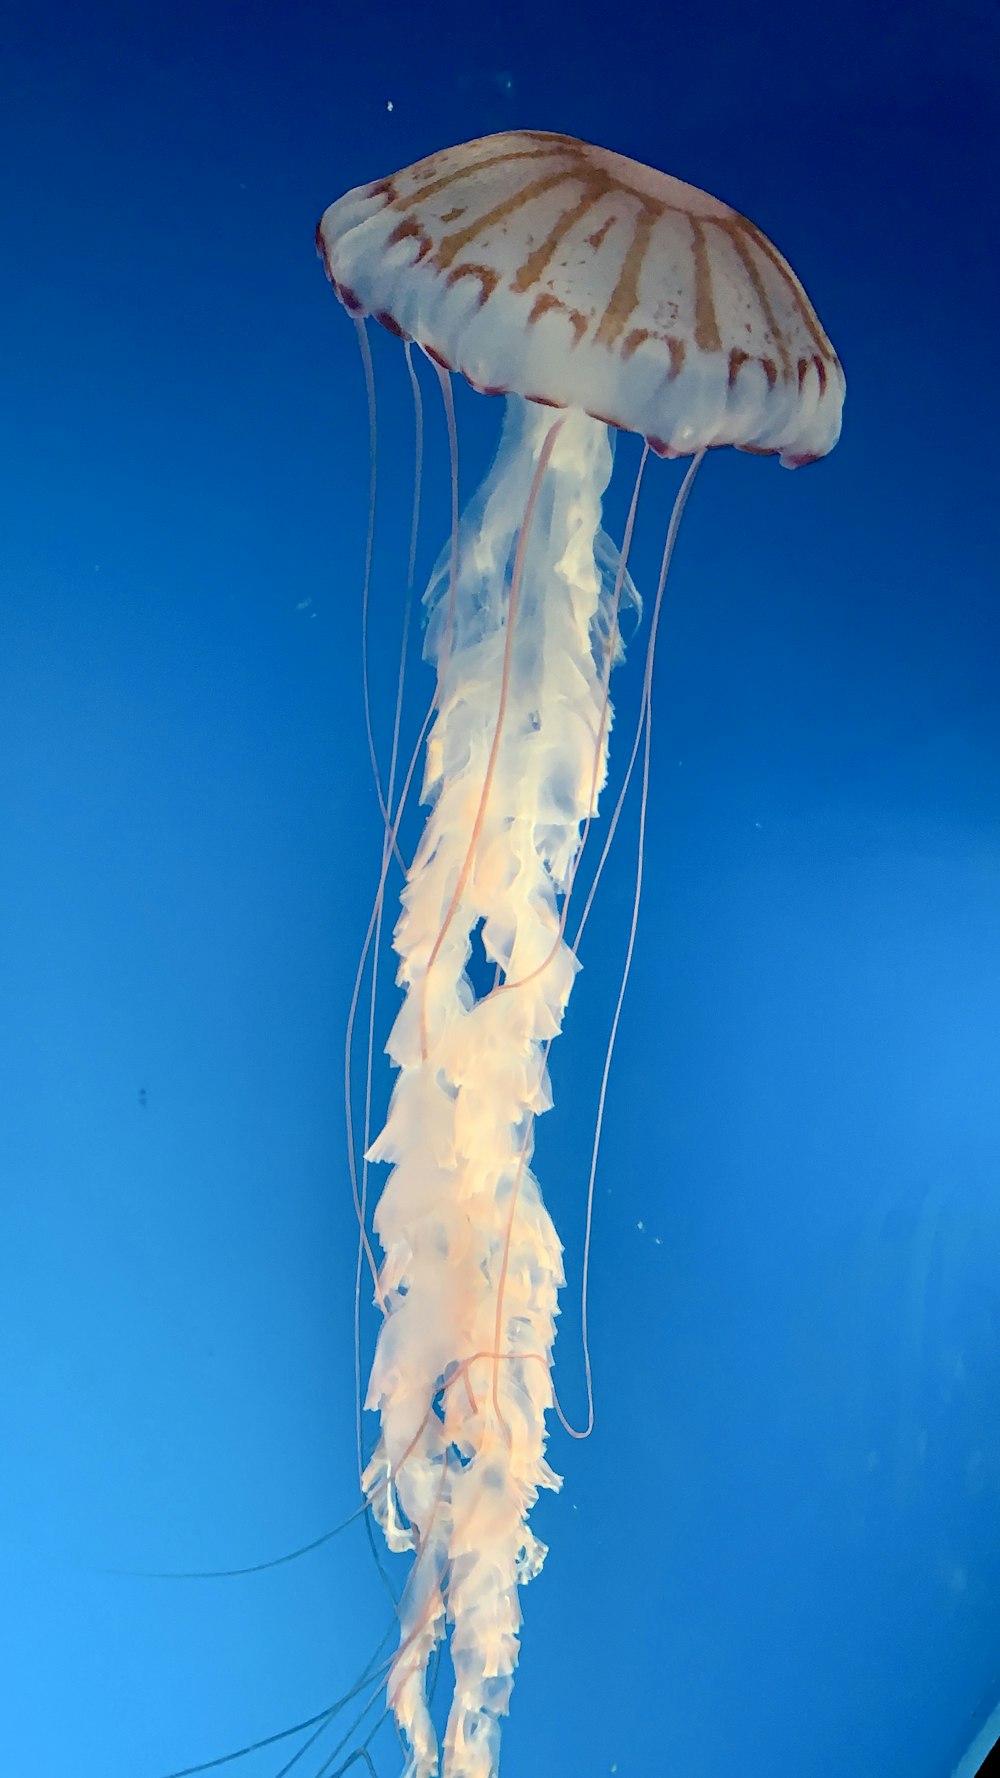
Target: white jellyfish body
(542, 266)
(571, 279)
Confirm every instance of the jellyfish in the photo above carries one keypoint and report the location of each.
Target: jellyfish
(594, 294)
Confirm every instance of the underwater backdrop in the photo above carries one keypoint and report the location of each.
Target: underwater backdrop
(779, 1546)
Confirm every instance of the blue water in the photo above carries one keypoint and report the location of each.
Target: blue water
(779, 1547)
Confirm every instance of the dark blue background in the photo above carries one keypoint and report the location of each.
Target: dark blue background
(780, 1548)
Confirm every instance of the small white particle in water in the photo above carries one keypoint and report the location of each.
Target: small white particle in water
(657, 1241)
(388, 104)
(303, 605)
(640, 1226)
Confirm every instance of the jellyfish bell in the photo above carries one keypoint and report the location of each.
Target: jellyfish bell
(540, 266)
(593, 293)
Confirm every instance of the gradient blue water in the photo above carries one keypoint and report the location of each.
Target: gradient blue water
(780, 1545)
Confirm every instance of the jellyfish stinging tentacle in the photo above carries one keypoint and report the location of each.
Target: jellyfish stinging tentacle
(591, 291)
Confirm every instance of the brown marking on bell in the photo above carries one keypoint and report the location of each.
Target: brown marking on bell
(321, 248)
(678, 352)
(597, 239)
(752, 269)
(544, 401)
(389, 322)
(453, 214)
(660, 447)
(606, 420)
(801, 300)
(442, 182)
(706, 327)
(408, 230)
(550, 145)
(803, 368)
(634, 340)
(488, 278)
(452, 245)
(770, 371)
(483, 388)
(624, 299)
(544, 304)
(758, 450)
(821, 373)
(737, 360)
(531, 270)
(351, 301)
(554, 139)
(438, 357)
